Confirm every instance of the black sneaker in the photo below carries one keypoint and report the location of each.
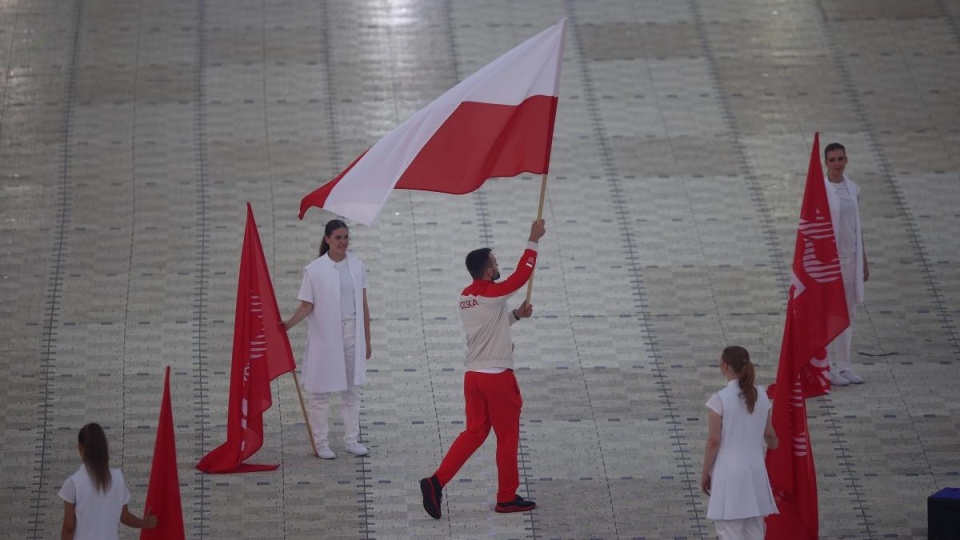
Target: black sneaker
(517, 505)
(432, 495)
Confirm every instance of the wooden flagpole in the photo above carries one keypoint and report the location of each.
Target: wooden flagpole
(543, 196)
(296, 382)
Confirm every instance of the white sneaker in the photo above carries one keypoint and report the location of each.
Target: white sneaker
(324, 452)
(836, 379)
(357, 449)
(849, 375)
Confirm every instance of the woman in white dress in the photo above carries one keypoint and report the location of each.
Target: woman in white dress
(95, 497)
(333, 300)
(734, 474)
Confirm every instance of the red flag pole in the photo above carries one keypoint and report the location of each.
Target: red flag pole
(296, 383)
(543, 196)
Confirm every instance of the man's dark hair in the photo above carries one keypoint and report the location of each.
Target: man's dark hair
(477, 261)
(833, 146)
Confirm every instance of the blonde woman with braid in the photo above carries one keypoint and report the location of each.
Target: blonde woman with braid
(734, 474)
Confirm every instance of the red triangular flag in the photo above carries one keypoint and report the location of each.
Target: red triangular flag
(816, 314)
(261, 353)
(496, 123)
(163, 491)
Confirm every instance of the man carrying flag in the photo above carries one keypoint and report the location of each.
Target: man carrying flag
(261, 353)
(816, 314)
(489, 386)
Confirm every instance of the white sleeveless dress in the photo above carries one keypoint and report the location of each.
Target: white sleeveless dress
(739, 486)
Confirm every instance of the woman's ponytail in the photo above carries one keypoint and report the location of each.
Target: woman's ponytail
(739, 360)
(96, 454)
(747, 387)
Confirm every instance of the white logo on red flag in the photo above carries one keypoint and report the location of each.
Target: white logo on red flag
(800, 441)
(255, 351)
(820, 260)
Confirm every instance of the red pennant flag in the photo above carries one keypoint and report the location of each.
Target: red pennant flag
(163, 491)
(496, 123)
(816, 314)
(261, 353)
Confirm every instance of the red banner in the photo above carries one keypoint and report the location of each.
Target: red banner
(816, 314)
(261, 353)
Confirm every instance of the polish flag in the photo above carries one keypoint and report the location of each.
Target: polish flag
(816, 314)
(496, 123)
(261, 353)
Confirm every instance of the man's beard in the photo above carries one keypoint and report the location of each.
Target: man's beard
(496, 276)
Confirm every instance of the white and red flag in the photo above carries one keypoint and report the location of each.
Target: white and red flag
(261, 353)
(496, 123)
(816, 314)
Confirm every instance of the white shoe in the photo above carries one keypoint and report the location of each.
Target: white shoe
(324, 452)
(836, 379)
(357, 449)
(849, 375)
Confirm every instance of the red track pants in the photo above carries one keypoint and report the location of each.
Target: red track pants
(492, 400)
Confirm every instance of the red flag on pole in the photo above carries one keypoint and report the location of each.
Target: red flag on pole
(816, 314)
(163, 491)
(496, 123)
(261, 353)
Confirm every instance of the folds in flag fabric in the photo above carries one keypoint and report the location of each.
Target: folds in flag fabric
(496, 123)
(163, 491)
(816, 314)
(261, 353)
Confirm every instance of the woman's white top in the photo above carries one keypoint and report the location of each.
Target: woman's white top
(348, 308)
(739, 486)
(98, 512)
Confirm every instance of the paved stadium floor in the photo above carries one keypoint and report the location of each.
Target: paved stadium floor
(133, 132)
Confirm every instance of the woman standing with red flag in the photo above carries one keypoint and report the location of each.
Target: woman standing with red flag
(333, 299)
(95, 497)
(734, 474)
(843, 197)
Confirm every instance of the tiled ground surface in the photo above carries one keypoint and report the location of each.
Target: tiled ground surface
(132, 133)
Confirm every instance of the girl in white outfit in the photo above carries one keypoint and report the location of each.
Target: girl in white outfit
(734, 474)
(333, 299)
(95, 497)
